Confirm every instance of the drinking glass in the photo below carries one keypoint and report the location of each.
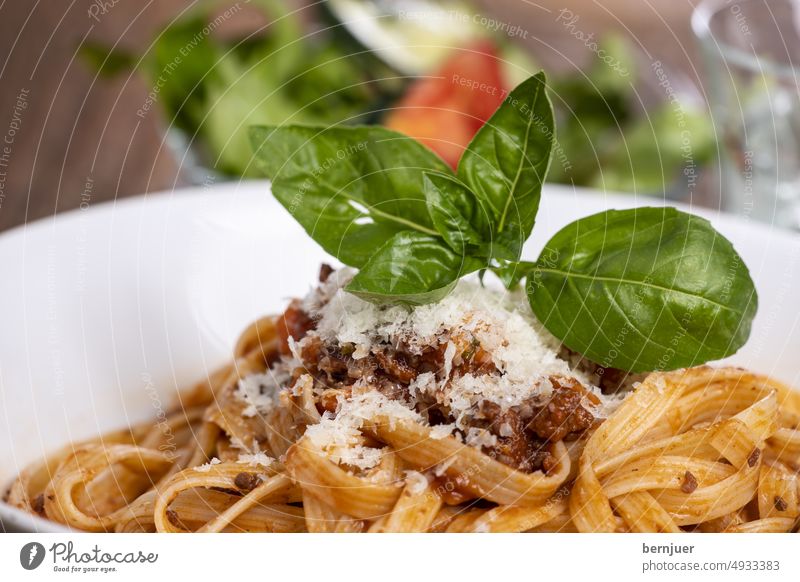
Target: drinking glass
(751, 53)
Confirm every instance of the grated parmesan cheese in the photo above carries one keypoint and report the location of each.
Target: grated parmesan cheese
(260, 391)
(424, 383)
(237, 443)
(501, 324)
(608, 404)
(339, 436)
(416, 482)
(205, 468)
(255, 460)
(524, 354)
(441, 431)
(449, 355)
(480, 437)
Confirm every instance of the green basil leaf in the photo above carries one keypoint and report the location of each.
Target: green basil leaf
(511, 273)
(411, 268)
(456, 213)
(507, 161)
(351, 188)
(644, 289)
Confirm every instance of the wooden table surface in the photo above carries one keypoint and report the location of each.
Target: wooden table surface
(71, 139)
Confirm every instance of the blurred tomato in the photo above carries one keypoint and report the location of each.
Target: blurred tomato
(446, 109)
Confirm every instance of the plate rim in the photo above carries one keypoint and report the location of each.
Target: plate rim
(185, 194)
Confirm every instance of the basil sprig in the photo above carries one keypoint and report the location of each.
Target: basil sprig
(642, 289)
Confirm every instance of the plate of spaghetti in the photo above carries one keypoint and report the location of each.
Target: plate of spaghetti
(387, 465)
(195, 362)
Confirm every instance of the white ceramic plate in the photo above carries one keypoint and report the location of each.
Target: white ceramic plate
(105, 312)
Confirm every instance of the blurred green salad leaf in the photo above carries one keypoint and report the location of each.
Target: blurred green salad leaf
(607, 140)
(213, 87)
(106, 61)
(655, 150)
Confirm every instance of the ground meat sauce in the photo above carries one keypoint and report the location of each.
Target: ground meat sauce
(325, 271)
(560, 416)
(516, 446)
(395, 366)
(294, 323)
(609, 380)
(246, 481)
(390, 370)
(613, 380)
(474, 360)
(524, 433)
(38, 504)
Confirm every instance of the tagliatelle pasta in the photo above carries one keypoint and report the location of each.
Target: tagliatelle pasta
(703, 449)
